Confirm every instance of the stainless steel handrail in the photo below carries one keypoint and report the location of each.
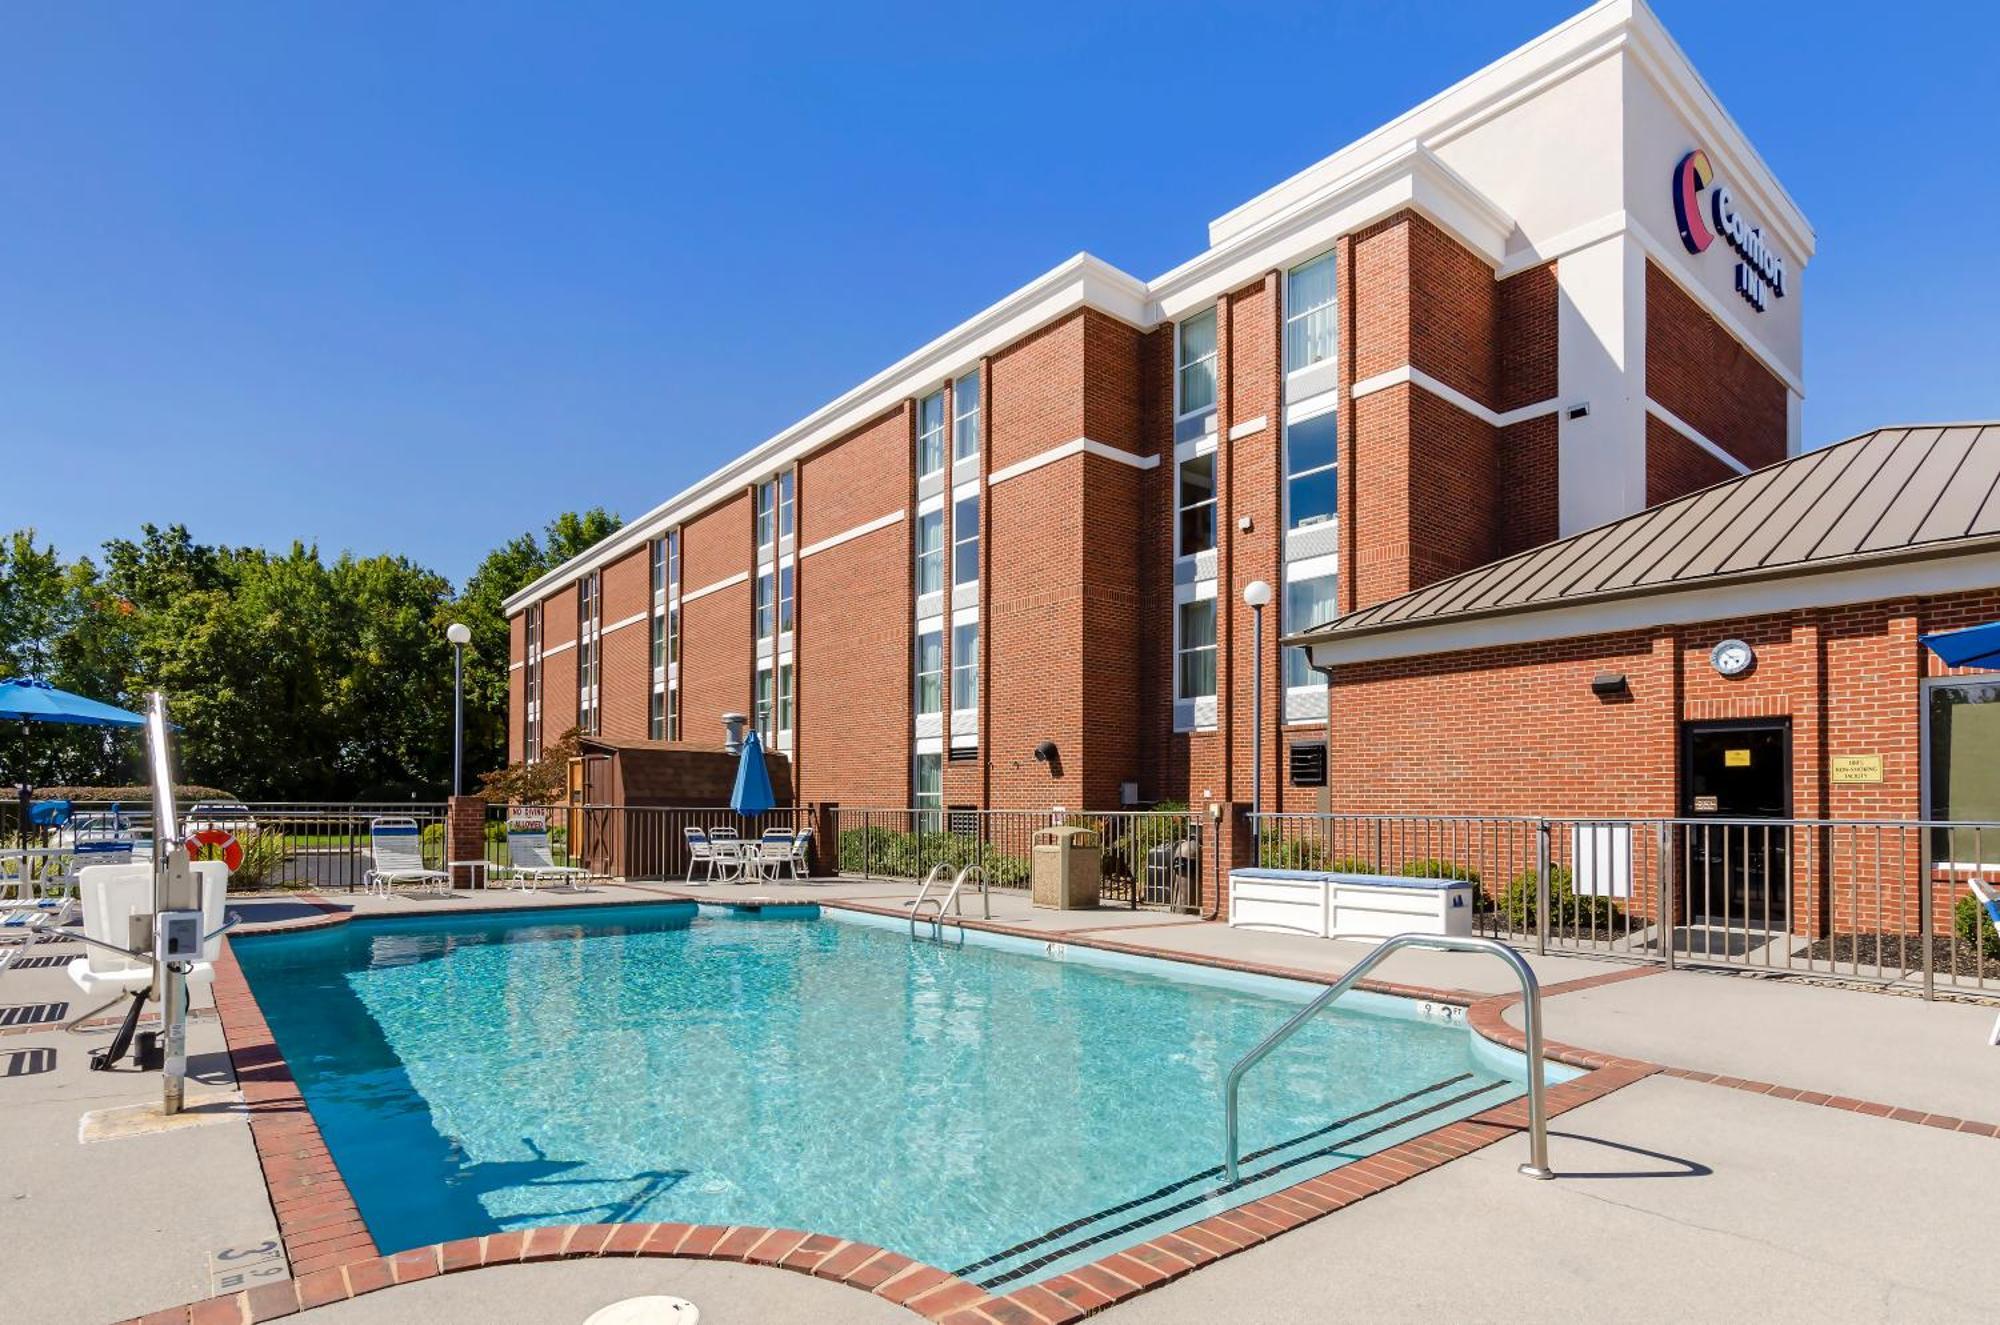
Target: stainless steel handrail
(938, 871)
(950, 899)
(1531, 1015)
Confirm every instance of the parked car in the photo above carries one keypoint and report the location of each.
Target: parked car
(230, 816)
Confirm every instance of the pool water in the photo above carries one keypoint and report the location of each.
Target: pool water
(981, 1107)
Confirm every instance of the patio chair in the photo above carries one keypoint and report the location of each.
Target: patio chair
(802, 842)
(397, 845)
(772, 854)
(1989, 898)
(531, 860)
(702, 854)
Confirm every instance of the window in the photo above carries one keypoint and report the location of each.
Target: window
(784, 600)
(930, 433)
(767, 513)
(965, 667)
(1309, 314)
(764, 605)
(531, 688)
(673, 715)
(1197, 504)
(772, 710)
(674, 558)
(659, 642)
(1194, 671)
(1962, 766)
(785, 504)
(659, 568)
(1197, 363)
(586, 654)
(1309, 602)
(761, 705)
(930, 671)
(784, 697)
(673, 635)
(965, 417)
(656, 717)
(930, 552)
(1312, 490)
(965, 540)
(930, 789)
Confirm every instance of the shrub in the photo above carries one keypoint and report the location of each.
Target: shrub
(264, 854)
(912, 855)
(1277, 852)
(1974, 929)
(1517, 903)
(1432, 868)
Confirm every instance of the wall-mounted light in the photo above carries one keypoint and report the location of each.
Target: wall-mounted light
(1610, 685)
(1046, 753)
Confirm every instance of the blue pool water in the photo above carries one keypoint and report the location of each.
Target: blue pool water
(985, 1108)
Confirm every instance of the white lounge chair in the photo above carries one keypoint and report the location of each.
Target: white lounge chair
(24, 924)
(531, 861)
(397, 845)
(1989, 899)
(802, 853)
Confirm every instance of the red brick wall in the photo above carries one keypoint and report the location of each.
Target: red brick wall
(1530, 492)
(625, 681)
(1675, 466)
(1525, 348)
(1699, 371)
(1254, 389)
(1032, 615)
(853, 646)
(1037, 392)
(1454, 309)
(715, 629)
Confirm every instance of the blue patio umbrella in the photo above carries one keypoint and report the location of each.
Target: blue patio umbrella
(37, 701)
(1974, 646)
(753, 781)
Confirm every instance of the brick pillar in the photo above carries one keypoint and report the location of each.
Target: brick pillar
(1229, 845)
(825, 854)
(465, 834)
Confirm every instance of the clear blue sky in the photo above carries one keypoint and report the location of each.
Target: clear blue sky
(412, 278)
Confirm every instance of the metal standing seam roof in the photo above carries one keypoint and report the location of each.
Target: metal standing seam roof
(1881, 495)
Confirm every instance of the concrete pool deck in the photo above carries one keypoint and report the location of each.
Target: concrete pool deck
(1876, 1208)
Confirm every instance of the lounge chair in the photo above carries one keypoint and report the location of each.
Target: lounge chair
(1989, 898)
(397, 845)
(531, 860)
(24, 924)
(802, 842)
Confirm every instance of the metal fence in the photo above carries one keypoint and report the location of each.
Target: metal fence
(641, 842)
(1871, 901)
(1149, 858)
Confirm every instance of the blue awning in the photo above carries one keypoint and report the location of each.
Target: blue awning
(1974, 646)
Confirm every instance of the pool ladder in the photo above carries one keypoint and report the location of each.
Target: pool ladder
(1531, 1023)
(950, 899)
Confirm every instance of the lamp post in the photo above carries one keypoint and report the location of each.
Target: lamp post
(1257, 594)
(460, 635)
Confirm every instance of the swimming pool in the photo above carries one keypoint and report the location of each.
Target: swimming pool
(999, 1108)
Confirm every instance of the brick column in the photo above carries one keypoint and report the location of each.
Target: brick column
(1228, 845)
(465, 834)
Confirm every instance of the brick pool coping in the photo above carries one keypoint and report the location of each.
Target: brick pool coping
(333, 1257)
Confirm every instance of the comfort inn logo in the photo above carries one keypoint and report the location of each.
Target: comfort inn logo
(1761, 272)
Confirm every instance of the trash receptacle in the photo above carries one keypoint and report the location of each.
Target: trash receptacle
(1068, 863)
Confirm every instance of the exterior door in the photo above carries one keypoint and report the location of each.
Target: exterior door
(1734, 775)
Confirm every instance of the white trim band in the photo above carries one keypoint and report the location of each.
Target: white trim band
(740, 577)
(1081, 446)
(1450, 395)
(1248, 428)
(848, 536)
(623, 622)
(553, 649)
(1681, 426)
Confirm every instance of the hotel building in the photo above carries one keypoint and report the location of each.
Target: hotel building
(1007, 570)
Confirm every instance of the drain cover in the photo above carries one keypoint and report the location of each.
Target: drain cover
(647, 1311)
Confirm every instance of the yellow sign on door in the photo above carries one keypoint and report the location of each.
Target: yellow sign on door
(1855, 768)
(1736, 758)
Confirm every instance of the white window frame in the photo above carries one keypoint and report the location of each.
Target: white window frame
(965, 422)
(531, 687)
(936, 676)
(964, 663)
(1185, 454)
(1299, 572)
(764, 605)
(933, 437)
(931, 803)
(767, 514)
(1182, 649)
(1295, 316)
(589, 624)
(936, 554)
(786, 504)
(786, 588)
(1182, 363)
(1315, 409)
(961, 538)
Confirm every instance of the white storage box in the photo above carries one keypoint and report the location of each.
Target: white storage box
(1348, 906)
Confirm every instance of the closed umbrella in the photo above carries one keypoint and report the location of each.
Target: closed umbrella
(38, 701)
(753, 781)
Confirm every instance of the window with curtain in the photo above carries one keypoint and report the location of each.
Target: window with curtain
(930, 671)
(1312, 488)
(1196, 504)
(659, 569)
(1308, 602)
(656, 717)
(764, 605)
(767, 513)
(1194, 670)
(930, 552)
(761, 706)
(965, 416)
(784, 697)
(658, 654)
(930, 433)
(929, 790)
(674, 558)
(1196, 362)
(785, 504)
(965, 540)
(965, 667)
(1310, 314)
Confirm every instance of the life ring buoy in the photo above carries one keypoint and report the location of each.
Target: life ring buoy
(223, 844)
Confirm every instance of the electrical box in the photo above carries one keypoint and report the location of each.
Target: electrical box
(177, 936)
